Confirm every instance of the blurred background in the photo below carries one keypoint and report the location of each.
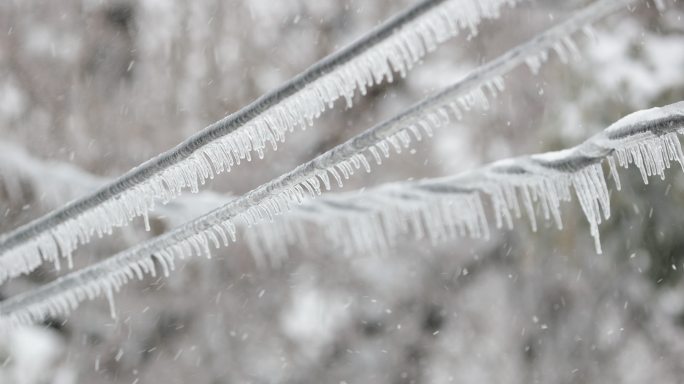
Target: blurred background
(91, 88)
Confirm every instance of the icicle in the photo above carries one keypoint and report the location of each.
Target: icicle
(426, 127)
(374, 151)
(324, 179)
(614, 173)
(110, 301)
(590, 33)
(561, 52)
(365, 163)
(230, 228)
(529, 207)
(383, 147)
(572, 48)
(456, 111)
(416, 132)
(534, 64)
(165, 268)
(336, 176)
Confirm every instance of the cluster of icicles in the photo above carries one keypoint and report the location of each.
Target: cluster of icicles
(438, 209)
(267, 202)
(445, 208)
(398, 52)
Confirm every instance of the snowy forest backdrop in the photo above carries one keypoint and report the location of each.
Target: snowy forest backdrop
(90, 88)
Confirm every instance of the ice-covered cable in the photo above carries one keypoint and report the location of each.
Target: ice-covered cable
(51, 183)
(444, 208)
(277, 196)
(441, 207)
(393, 47)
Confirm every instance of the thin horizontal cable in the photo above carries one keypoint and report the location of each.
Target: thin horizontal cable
(279, 195)
(394, 46)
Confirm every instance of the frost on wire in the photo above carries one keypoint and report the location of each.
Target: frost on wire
(392, 48)
(269, 200)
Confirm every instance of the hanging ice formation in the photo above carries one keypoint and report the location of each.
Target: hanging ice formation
(274, 198)
(393, 47)
(456, 206)
(437, 209)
